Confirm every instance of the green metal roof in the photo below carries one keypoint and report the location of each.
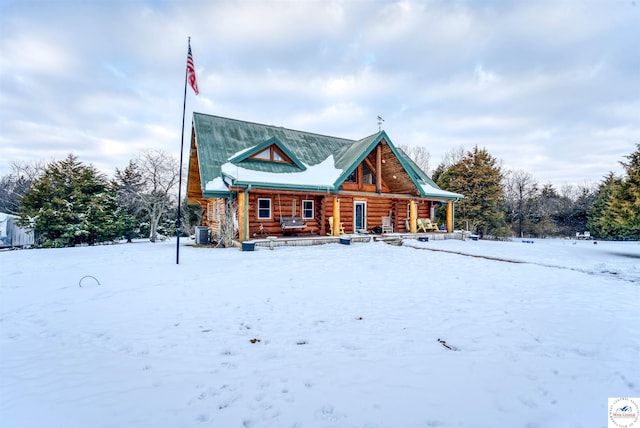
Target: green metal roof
(350, 157)
(222, 141)
(219, 139)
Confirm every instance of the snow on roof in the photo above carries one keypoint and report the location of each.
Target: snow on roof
(434, 191)
(4, 216)
(323, 174)
(217, 184)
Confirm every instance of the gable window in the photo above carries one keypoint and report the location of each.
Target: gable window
(368, 177)
(263, 155)
(352, 176)
(264, 208)
(272, 154)
(307, 209)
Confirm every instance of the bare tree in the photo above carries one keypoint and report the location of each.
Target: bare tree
(419, 154)
(450, 158)
(228, 225)
(17, 183)
(160, 173)
(521, 191)
(453, 156)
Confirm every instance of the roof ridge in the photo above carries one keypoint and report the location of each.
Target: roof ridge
(375, 134)
(280, 127)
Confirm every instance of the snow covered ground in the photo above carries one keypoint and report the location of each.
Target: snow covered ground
(324, 336)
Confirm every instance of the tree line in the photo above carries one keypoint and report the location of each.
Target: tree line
(501, 203)
(68, 203)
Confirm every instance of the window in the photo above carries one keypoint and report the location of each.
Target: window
(307, 209)
(272, 154)
(263, 155)
(264, 208)
(352, 176)
(367, 175)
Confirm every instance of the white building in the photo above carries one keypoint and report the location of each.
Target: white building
(11, 235)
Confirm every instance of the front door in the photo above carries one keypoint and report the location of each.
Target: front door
(360, 217)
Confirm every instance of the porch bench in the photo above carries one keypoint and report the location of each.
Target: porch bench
(426, 225)
(292, 223)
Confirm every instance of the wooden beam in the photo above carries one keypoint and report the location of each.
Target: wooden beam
(243, 217)
(379, 168)
(413, 217)
(450, 217)
(336, 216)
(240, 216)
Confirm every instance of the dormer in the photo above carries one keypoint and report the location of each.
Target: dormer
(271, 151)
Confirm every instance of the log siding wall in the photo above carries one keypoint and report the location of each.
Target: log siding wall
(377, 206)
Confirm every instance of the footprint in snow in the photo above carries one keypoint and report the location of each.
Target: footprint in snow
(329, 414)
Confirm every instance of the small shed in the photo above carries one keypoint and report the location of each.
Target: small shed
(12, 235)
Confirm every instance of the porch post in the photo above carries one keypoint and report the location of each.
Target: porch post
(241, 231)
(450, 216)
(336, 216)
(246, 215)
(413, 217)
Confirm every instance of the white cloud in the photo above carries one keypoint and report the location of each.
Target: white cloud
(539, 84)
(28, 54)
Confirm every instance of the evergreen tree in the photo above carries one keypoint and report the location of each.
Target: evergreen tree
(616, 213)
(597, 224)
(547, 208)
(71, 204)
(478, 177)
(584, 199)
(129, 185)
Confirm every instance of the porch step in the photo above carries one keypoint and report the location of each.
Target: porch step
(391, 240)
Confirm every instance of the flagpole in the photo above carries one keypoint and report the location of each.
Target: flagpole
(184, 107)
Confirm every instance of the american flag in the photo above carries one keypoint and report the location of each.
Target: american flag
(191, 72)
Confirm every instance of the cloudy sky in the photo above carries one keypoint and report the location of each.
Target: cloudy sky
(548, 87)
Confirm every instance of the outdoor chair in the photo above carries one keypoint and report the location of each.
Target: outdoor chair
(387, 227)
(426, 225)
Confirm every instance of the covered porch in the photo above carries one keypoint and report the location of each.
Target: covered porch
(293, 214)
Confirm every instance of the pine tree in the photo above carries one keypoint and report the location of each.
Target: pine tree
(478, 177)
(547, 204)
(597, 224)
(71, 204)
(128, 185)
(616, 213)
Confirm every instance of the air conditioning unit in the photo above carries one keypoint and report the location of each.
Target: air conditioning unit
(202, 235)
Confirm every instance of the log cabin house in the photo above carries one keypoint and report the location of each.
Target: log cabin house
(293, 182)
